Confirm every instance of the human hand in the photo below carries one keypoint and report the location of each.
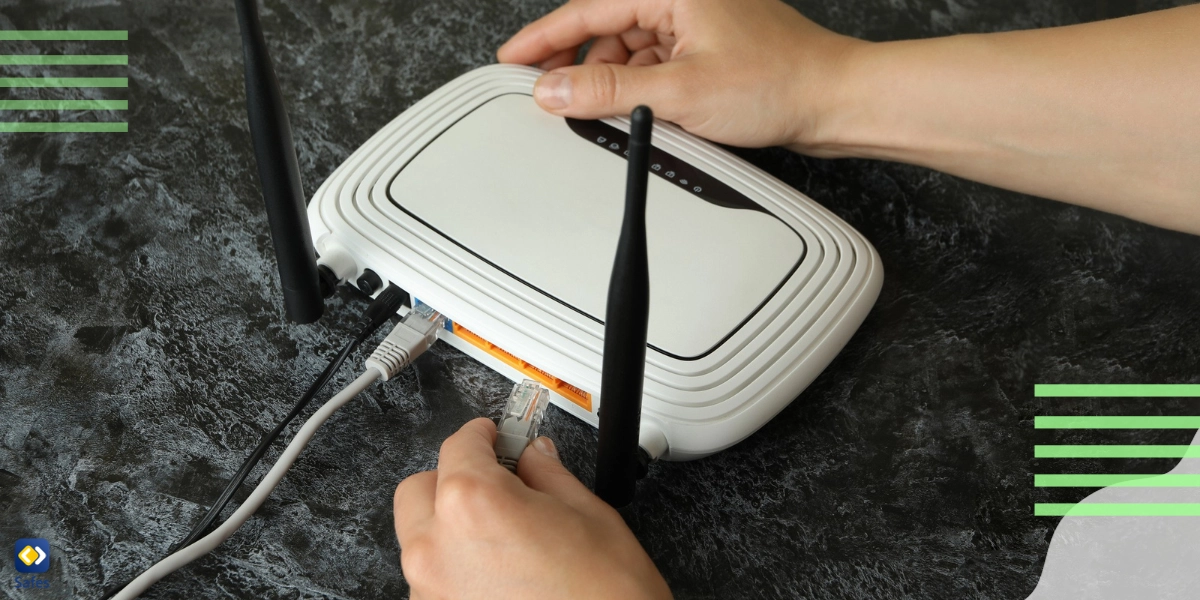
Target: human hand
(1090, 114)
(742, 72)
(471, 529)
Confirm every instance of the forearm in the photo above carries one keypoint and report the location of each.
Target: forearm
(1104, 115)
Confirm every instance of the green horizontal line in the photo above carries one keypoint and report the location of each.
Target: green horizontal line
(64, 127)
(1090, 509)
(63, 82)
(64, 104)
(1153, 422)
(63, 35)
(1114, 451)
(1117, 480)
(1116, 390)
(64, 59)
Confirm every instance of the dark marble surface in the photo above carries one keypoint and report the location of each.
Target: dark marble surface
(142, 347)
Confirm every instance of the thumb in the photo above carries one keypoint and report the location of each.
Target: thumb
(541, 470)
(597, 91)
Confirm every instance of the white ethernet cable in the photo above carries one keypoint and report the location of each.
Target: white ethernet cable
(408, 340)
(518, 426)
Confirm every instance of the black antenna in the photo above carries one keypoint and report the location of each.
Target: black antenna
(279, 174)
(625, 322)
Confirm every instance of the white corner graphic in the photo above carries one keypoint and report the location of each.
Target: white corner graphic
(1121, 558)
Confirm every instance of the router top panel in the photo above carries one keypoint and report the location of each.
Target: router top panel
(552, 220)
(505, 218)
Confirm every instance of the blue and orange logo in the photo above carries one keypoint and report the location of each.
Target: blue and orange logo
(32, 555)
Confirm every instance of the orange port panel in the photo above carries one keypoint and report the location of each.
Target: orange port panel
(560, 387)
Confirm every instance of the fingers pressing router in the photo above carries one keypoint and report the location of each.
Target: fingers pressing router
(553, 91)
(602, 90)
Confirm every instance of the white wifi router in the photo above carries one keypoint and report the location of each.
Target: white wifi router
(506, 218)
(725, 292)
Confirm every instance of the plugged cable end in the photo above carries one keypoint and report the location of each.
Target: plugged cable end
(408, 340)
(519, 424)
(386, 304)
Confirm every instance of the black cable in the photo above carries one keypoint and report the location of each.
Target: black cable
(382, 308)
(206, 522)
(379, 311)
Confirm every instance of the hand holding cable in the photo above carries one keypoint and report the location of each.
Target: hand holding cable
(471, 529)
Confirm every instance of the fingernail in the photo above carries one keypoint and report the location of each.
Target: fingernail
(553, 91)
(545, 446)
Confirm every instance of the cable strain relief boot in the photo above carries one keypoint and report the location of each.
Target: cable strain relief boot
(382, 308)
(409, 339)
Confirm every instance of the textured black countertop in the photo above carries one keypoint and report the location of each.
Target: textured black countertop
(143, 350)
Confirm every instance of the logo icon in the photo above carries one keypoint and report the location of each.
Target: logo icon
(32, 555)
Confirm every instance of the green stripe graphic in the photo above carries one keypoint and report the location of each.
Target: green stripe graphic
(1116, 510)
(64, 59)
(1117, 480)
(63, 35)
(64, 104)
(1154, 422)
(1106, 390)
(1115, 451)
(63, 82)
(64, 127)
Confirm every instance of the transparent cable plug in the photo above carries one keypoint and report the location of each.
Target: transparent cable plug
(519, 424)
